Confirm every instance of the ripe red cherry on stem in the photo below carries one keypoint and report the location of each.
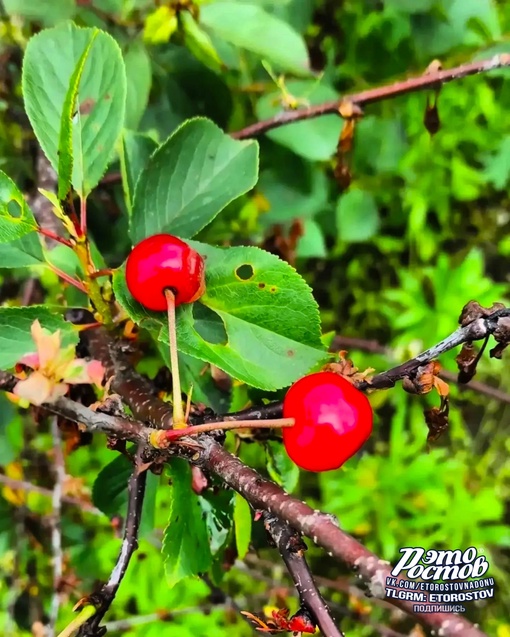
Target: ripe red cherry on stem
(333, 420)
(164, 262)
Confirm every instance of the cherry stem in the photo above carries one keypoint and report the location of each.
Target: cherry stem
(52, 235)
(69, 279)
(100, 273)
(225, 425)
(179, 420)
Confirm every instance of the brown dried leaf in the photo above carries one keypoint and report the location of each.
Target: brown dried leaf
(431, 118)
(436, 419)
(345, 367)
(502, 332)
(423, 379)
(473, 310)
(467, 360)
(497, 352)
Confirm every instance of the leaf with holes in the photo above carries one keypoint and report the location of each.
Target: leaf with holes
(186, 548)
(16, 338)
(50, 61)
(16, 218)
(258, 320)
(190, 179)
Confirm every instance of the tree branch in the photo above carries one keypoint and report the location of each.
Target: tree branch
(292, 548)
(263, 494)
(425, 81)
(374, 347)
(323, 530)
(104, 598)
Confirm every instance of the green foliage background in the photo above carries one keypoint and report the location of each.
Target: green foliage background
(422, 229)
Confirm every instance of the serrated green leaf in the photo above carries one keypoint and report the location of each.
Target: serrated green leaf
(190, 179)
(257, 321)
(280, 467)
(65, 142)
(15, 337)
(199, 42)
(110, 492)
(50, 60)
(16, 218)
(22, 253)
(186, 548)
(136, 148)
(242, 525)
(252, 28)
(217, 506)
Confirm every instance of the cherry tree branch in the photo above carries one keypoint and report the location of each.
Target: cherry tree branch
(265, 495)
(291, 547)
(374, 347)
(104, 598)
(420, 83)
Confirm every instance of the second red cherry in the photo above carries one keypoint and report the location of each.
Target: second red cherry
(333, 420)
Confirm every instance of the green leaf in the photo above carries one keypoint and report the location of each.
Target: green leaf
(257, 321)
(314, 139)
(242, 525)
(136, 148)
(250, 27)
(110, 492)
(50, 60)
(190, 179)
(217, 506)
(199, 42)
(160, 25)
(139, 80)
(357, 216)
(280, 467)
(16, 218)
(186, 548)
(65, 142)
(311, 244)
(15, 337)
(22, 252)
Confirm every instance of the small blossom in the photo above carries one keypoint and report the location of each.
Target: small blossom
(54, 369)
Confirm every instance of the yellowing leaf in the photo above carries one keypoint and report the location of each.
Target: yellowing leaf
(160, 25)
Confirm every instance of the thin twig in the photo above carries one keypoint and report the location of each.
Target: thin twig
(374, 347)
(288, 541)
(104, 598)
(56, 523)
(83, 216)
(68, 279)
(422, 82)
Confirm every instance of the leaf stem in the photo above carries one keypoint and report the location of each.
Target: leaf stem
(69, 279)
(83, 216)
(179, 420)
(162, 438)
(52, 235)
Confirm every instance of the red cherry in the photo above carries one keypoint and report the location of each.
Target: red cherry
(164, 262)
(333, 420)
